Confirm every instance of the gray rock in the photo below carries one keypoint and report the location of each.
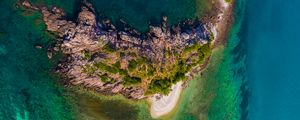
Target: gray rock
(80, 36)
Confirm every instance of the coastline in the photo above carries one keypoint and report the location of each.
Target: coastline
(89, 39)
(170, 101)
(167, 103)
(223, 25)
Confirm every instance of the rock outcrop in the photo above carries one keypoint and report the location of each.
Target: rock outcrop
(82, 40)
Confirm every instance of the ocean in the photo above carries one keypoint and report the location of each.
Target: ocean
(253, 76)
(270, 32)
(220, 92)
(28, 88)
(257, 77)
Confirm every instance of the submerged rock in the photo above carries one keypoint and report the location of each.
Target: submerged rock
(26, 3)
(38, 47)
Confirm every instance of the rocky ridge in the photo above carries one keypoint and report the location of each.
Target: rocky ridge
(93, 47)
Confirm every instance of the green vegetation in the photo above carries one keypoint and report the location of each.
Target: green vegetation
(178, 77)
(191, 48)
(117, 64)
(109, 48)
(160, 86)
(106, 68)
(132, 80)
(228, 1)
(87, 55)
(105, 78)
(89, 69)
(139, 70)
(110, 69)
(132, 65)
(163, 85)
(183, 67)
(203, 52)
(150, 70)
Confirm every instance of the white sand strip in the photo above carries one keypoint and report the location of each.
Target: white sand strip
(167, 103)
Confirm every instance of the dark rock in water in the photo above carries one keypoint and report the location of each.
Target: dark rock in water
(26, 3)
(38, 47)
(165, 18)
(49, 54)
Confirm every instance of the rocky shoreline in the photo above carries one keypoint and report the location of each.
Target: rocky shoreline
(89, 42)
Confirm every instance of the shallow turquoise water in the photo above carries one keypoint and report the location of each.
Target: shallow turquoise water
(271, 34)
(27, 89)
(30, 91)
(218, 93)
(255, 76)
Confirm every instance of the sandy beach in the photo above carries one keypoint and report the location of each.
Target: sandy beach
(167, 103)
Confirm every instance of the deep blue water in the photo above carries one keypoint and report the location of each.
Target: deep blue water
(271, 34)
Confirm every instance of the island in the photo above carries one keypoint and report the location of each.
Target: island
(112, 60)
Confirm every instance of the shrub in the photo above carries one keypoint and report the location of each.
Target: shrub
(150, 70)
(87, 55)
(191, 48)
(106, 68)
(131, 80)
(105, 78)
(178, 77)
(160, 86)
(132, 65)
(111, 69)
(109, 48)
(89, 69)
(117, 65)
(204, 51)
(182, 66)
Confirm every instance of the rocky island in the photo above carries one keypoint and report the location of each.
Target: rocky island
(120, 60)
